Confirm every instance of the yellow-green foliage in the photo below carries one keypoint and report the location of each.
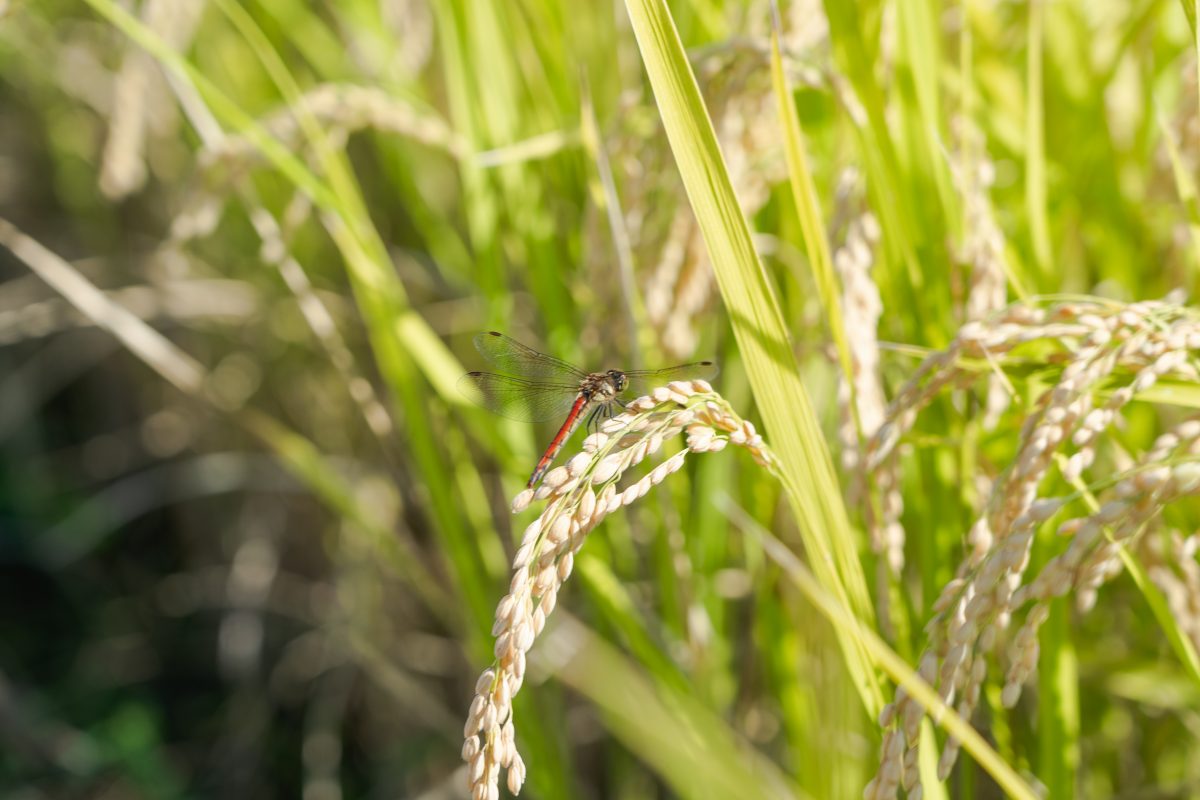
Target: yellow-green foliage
(366, 184)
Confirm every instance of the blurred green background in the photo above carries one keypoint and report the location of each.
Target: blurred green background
(272, 574)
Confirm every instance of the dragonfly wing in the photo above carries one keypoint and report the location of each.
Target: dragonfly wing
(519, 399)
(513, 358)
(643, 381)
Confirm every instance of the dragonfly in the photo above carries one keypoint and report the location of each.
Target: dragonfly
(533, 387)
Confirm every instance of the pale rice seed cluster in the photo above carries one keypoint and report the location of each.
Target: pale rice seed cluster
(1170, 561)
(578, 496)
(1167, 473)
(983, 254)
(681, 284)
(861, 310)
(140, 104)
(1100, 346)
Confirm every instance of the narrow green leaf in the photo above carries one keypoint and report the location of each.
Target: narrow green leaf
(618, 609)
(1179, 641)
(1185, 187)
(891, 663)
(806, 469)
(918, 28)
(1058, 704)
(690, 747)
(1035, 141)
(927, 763)
(812, 223)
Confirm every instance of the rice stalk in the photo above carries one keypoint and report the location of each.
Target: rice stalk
(1097, 345)
(911, 682)
(33, 316)
(806, 467)
(1035, 139)
(680, 286)
(579, 495)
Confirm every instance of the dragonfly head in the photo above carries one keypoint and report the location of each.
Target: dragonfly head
(618, 379)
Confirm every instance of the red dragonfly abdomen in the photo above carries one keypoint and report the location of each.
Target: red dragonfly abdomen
(573, 419)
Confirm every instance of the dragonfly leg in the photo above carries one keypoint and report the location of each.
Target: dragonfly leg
(591, 420)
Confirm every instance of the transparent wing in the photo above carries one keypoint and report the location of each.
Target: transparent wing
(643, 380)
(517, 398)
(513, 358)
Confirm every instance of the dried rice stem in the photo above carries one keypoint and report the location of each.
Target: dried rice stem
(349, 107)
(139, 94)
(201, 217)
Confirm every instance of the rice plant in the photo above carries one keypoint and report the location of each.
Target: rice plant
(930, 532)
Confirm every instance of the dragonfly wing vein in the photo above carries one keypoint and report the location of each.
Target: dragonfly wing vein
(513, 358)
(642, 381)
(519, 399)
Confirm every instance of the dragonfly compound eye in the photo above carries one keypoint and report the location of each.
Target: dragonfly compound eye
(619, 380)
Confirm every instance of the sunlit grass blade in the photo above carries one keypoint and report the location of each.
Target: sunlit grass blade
(496, 103)
(918, 34)
(693, 750)
(881, 164)
(378, 290)
(604, 194)
(1058, 704)
(812, 223)
(887, 659)
(928, 765)
(763, 339)
(1179, 641)
(1185, 187)
(618, 609)
(296, 453)
(1035, 140)
(311, 35)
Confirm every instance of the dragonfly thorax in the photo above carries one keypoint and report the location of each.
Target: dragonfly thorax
(603, 386)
